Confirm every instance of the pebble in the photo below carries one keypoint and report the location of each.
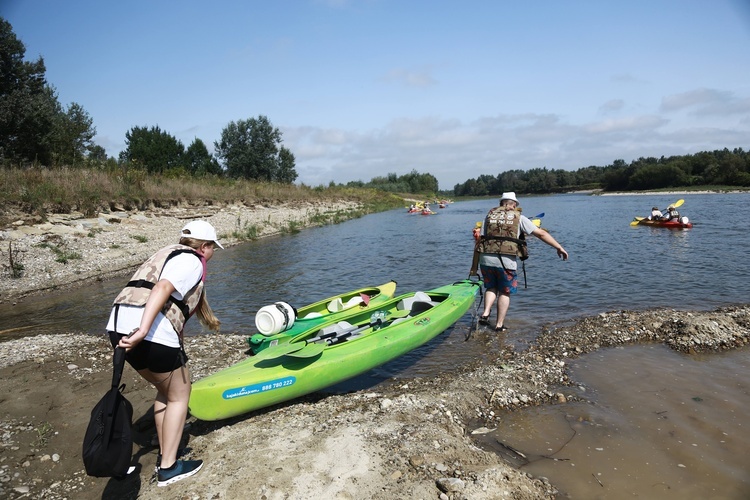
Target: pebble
(450, 484)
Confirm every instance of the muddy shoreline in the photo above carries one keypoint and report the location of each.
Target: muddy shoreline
(405, 440)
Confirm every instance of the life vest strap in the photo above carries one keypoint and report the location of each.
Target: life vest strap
(181, 305)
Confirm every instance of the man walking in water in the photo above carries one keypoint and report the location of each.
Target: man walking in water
(503, 240)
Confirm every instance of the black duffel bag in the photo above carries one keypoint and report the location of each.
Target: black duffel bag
(108, 443)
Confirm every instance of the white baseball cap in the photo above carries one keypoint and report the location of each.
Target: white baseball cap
(200, 230)
(510, 195)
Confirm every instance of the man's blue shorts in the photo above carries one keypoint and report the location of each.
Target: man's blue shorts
(497, 278)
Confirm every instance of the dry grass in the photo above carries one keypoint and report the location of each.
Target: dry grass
(39, 191)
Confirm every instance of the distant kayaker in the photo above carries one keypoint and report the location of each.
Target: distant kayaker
(656, 214)
(477, 231)
(672, 213)
(503, 240)
(147, 319)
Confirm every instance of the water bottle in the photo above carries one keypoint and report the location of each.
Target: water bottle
(376, 319)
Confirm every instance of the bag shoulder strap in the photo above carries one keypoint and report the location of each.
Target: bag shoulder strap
(118, 366)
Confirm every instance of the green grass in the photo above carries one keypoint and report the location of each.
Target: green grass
(43, 432)
(62, 255)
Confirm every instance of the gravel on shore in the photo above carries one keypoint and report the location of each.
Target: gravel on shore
(71, 249)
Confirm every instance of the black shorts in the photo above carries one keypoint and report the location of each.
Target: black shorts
(157, 358)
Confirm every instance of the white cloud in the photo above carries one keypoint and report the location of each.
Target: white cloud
(411, 77)
(611, 106)
(706, 102)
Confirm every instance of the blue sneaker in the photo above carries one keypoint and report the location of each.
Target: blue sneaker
(180, 470)
(180, 452)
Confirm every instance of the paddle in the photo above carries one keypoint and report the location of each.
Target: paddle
(309, 351)
(678, 203)
(537, 220)
(279, 350)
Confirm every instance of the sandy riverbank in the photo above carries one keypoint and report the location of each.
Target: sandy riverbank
(70, 249)
(408, 440)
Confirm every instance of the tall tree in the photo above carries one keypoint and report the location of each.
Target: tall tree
(153, 148)
(74, 135)
(33, 125)
(286, 174)
(252, 149)
(97, 153)
(28, 105)
(199, 161)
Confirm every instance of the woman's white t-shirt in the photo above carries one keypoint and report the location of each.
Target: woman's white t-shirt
(183, 271)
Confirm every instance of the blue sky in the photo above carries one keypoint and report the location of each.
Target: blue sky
(362, 88)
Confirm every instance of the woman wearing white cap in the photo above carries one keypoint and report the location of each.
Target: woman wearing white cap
(501, 242)
(147, 320)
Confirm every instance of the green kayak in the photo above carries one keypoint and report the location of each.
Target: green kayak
(331, 353)
(333, 308)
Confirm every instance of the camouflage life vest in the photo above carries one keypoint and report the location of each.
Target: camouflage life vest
(138, 289)
(501, 233)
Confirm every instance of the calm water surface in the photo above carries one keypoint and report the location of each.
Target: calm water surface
(612, 266)
(662, 425)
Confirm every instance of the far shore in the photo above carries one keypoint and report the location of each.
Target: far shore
(665, 193)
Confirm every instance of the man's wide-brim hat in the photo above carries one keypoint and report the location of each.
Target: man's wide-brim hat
(510, 195)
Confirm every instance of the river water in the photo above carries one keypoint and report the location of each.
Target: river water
(612, 266)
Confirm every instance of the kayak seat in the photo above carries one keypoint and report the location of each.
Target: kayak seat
(354, 301)
(337, 304)
(420, 306)
(338, 327)
(406, 304)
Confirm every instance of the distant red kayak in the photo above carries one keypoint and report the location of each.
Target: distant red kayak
(669, 224)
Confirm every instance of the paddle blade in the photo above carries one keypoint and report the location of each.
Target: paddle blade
(634, 223)
(537, 222)
(309, 351)
(678, 203)
(278, 350)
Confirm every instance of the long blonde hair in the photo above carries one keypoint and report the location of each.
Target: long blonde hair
(204, 312)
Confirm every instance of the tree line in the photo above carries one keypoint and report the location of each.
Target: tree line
(413, 182)
(718, 168)
(36, 129)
